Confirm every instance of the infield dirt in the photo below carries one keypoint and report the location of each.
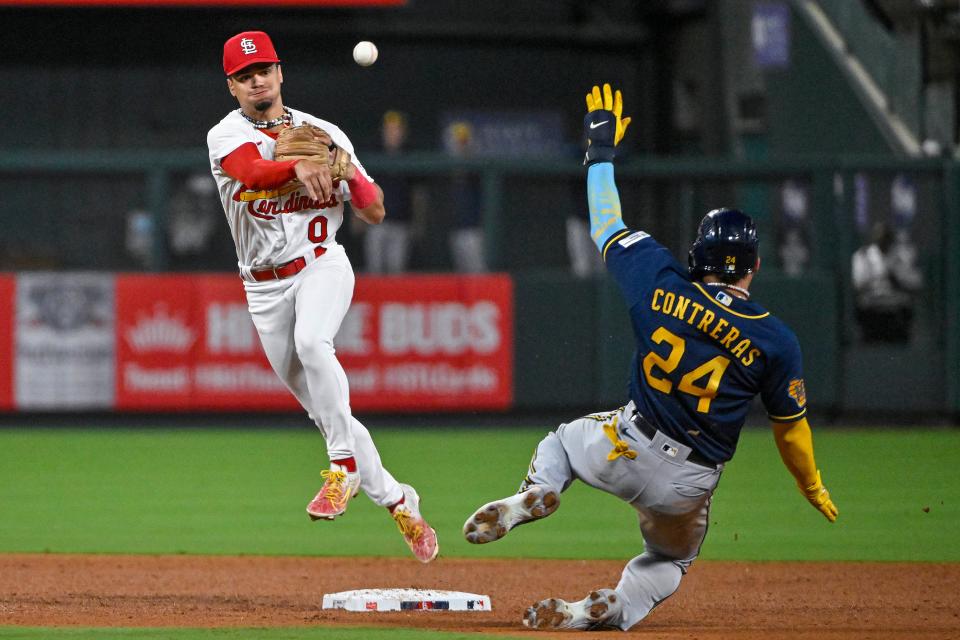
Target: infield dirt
(730, 600)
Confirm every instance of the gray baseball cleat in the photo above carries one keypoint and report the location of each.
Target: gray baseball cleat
(493, 520)
(601, 609)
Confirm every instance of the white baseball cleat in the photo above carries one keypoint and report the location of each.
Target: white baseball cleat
(601, 609)
(493, 520)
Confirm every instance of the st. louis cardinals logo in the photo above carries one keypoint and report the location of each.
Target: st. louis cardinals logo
(797, 391)
(268, 204)
(248, 46)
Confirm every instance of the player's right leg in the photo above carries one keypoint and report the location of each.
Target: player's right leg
(493, 520)
(321, 297)
(539, 495)
(273, 315)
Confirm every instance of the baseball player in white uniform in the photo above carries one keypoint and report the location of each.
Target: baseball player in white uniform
(284, 217)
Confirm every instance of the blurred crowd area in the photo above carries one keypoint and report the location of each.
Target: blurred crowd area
(470, 120)
(834, 124)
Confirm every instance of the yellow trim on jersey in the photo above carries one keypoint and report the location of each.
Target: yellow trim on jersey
(612, 240)
(795, 416)
(726, 308)
(250, 196)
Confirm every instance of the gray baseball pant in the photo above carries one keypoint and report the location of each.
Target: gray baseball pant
(671, 496)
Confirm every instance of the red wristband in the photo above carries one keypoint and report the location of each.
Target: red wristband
(362, 192)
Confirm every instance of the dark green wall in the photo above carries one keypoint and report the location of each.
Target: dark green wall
(811, 107)
(574, 342)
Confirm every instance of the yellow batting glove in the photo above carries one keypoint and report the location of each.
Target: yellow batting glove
(604, 125)
(817, 495)
(610, 101)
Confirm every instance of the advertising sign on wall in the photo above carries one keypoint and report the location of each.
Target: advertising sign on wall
(64, 349)
(429, 342)
(411, 343)
(187, 342)
(7, 293)
(770, 30)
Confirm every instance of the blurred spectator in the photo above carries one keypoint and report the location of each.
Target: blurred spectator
(794, 252)
(585, 260)
(196, 237)
(139, 237)
(886, 281)
(466, 240)
(386, 246)
(793, 246)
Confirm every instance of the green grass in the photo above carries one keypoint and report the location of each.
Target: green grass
(243, 492)
(293, 633)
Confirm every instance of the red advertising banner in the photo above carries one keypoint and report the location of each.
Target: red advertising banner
(410, 343)
(429, 342)
(8, 314)
(187, 342)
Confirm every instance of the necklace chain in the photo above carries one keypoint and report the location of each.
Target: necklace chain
(729, 286)
(286, 118)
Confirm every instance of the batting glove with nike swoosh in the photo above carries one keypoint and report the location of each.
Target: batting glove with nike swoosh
(604, 124)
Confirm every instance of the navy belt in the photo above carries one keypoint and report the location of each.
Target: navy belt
(649, 430)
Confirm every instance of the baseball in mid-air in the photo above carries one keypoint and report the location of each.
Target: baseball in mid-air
(365, 53)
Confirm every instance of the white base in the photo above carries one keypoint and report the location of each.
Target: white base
(406, 600)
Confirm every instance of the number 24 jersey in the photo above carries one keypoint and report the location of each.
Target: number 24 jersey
(702, 354)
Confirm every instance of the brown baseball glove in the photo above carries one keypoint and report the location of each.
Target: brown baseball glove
(310, 142)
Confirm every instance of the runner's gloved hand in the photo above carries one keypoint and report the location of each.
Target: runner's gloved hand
(604, 125)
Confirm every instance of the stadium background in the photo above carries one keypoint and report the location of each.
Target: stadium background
(730, 108)
(819, 118)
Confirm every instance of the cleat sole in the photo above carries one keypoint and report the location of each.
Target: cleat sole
(493, 521)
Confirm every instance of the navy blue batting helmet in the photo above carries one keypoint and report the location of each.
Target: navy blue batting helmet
(726, 244)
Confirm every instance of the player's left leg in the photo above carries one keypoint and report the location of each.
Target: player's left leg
(402, 500)
(672, 543)
(673, 517)
(378, 483)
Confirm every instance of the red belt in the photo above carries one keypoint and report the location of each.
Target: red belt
(285, 270)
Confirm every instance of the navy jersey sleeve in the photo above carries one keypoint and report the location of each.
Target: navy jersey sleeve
(782, 389)
(634, 259)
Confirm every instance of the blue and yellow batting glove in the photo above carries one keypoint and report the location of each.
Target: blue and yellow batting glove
(604, 124)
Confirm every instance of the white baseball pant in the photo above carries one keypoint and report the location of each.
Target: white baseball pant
(297, 319)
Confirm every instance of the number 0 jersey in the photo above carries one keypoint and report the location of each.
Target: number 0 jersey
(702, 354)
(273, 226)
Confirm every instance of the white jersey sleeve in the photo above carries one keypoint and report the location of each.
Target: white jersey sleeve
(226, 137)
